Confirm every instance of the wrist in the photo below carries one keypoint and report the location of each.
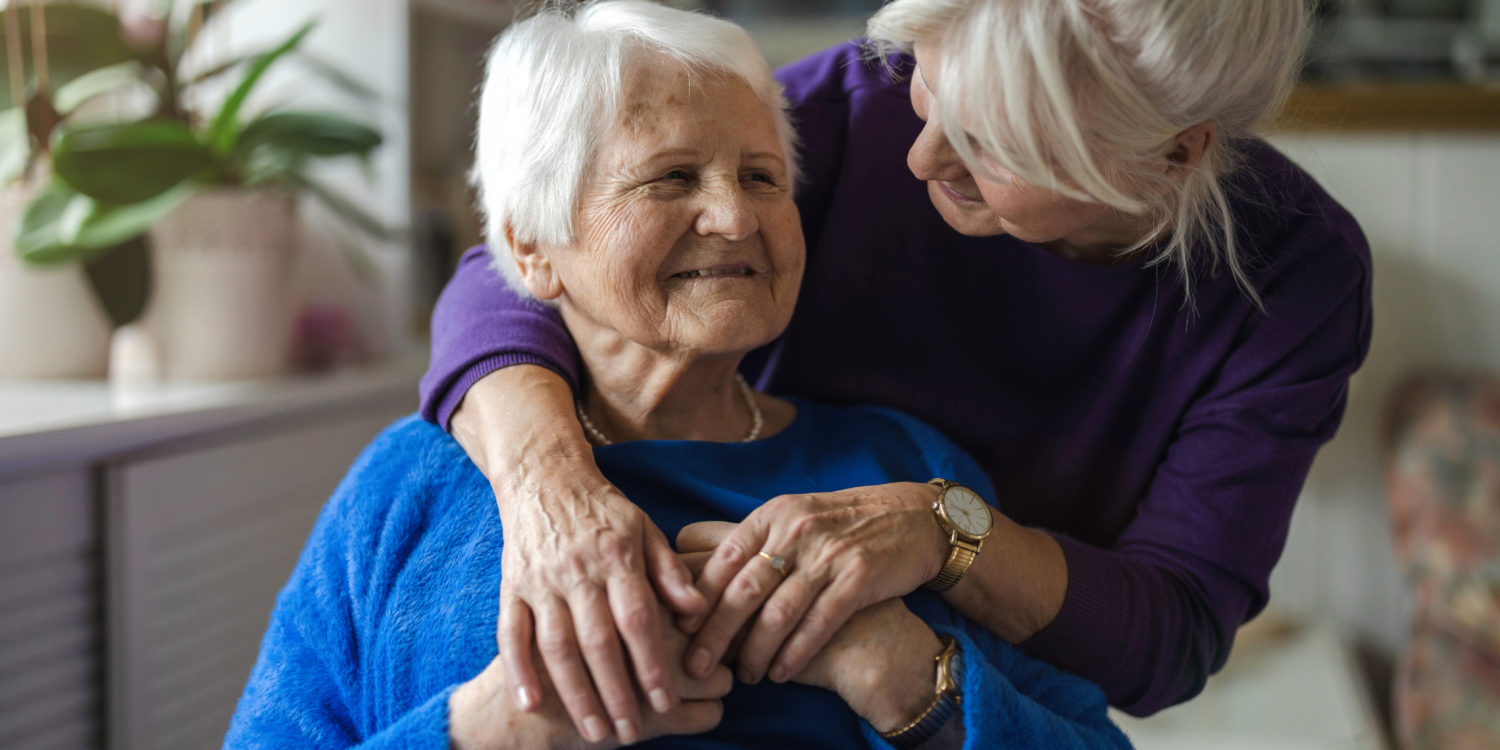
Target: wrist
(897, 684)
(516, 415)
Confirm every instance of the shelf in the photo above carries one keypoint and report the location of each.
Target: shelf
(1448, 107)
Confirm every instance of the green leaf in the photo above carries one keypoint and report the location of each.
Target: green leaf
(62, 225)
(222, 133)
(313, 63)
(80, 40)
(73, 94)
(128, 163)
(308, 134)
(15, 145)
(345, 209)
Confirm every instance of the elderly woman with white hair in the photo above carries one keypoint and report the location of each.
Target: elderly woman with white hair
(1138, 317)
(663, 138)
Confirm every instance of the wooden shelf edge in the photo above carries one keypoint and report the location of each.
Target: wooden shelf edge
(1392, 107)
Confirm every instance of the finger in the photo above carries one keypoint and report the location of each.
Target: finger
(729, 558)
(695, 561)
(514, 640)
(742, 597)
(559, 646)
(605, 657)
(703, 536)
(716, 685)
(833, 607)
(635, 609)
(691, 717)
(777, 619)
(671, 577)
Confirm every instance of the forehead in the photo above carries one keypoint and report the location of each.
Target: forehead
(662, 98)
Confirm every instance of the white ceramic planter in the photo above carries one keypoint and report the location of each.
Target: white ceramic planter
(51, 325)
(221, 281)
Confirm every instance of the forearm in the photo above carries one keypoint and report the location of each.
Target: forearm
(517, 420)
(1017, 583)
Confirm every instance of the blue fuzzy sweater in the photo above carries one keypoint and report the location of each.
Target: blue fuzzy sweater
(392, 604)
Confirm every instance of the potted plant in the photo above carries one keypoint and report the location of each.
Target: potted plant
(50, 322)
(217, 193)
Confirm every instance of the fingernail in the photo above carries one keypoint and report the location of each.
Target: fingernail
(778, 673)
(661, 701)
(594, 729)
(747, 677)
(698, 662)
(523, 696)
(625, 731)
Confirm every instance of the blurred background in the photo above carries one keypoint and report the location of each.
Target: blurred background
(154, 491)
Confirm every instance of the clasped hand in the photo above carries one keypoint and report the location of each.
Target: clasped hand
(582, 581)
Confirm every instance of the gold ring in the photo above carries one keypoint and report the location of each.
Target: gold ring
(777, 562)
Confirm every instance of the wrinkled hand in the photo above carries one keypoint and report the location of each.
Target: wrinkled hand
(580, 560)
(881, 661)
(483, 714)
(845, 551)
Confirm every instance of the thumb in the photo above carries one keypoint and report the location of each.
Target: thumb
(687, 717)
(703, 536)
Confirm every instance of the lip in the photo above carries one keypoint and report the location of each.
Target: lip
(956, 196)
(717, 272)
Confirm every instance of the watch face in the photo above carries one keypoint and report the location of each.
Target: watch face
(967, 511)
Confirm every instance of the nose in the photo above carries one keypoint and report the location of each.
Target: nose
(727, 213)
(932, 157)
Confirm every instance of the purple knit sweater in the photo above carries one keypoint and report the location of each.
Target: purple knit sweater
(1164, 449)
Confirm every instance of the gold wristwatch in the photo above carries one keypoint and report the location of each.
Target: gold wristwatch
(948, 698)
(964, 516)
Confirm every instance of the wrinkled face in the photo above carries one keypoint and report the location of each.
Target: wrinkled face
(687, 239)
(980, 207)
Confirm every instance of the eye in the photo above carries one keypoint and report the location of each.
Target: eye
(676, 174)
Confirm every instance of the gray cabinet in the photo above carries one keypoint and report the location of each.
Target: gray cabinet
(141, 555)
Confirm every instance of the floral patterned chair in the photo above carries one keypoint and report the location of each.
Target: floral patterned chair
(1443, 471)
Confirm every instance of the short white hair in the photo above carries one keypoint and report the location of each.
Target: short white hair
(553, 86)
(1086, 97)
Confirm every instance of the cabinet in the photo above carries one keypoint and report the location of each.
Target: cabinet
(143, 542)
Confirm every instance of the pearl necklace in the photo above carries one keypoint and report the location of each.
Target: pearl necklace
(757, 420)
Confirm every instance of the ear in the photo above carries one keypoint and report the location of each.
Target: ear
(536, 269)
(1190, 145)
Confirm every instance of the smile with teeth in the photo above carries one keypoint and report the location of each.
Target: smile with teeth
(713, 272)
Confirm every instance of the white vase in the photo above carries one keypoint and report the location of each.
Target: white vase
(221, 280)
(51, 324)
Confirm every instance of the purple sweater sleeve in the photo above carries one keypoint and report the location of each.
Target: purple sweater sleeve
(1153, 615)
(481, 325)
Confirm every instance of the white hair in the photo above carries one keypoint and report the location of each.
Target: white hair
(553, 86)
(1086, 97)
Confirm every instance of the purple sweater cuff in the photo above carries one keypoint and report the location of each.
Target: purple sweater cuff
(441, 410)
(1073, 639)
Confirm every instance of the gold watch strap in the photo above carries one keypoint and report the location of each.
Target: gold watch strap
(960, 556)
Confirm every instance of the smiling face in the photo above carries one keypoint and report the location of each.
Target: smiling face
(687, 240)
(980, 207)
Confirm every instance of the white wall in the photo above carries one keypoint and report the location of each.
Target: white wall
(1430, 205)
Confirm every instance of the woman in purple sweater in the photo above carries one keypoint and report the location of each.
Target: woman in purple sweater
(1047, 228)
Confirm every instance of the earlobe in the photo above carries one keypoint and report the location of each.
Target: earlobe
(535, 267)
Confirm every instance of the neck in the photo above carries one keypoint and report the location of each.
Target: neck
(635, 394)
